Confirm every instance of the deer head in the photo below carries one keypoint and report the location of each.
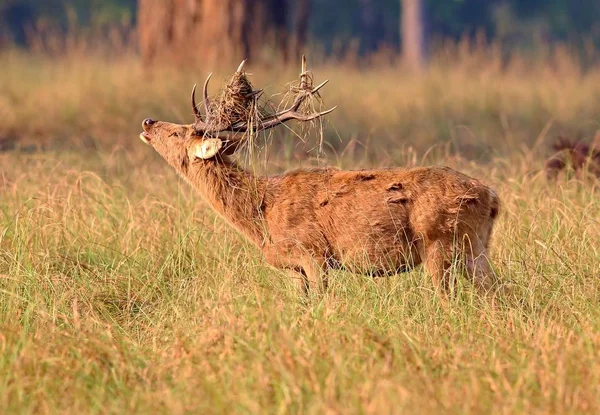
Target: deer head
(208, 138)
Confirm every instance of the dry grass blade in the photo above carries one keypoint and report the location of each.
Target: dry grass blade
(311, 104)
(178, 314)
(235, 101)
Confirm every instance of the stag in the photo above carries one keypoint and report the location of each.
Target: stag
(306, 222)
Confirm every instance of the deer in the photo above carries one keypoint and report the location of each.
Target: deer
(308, 222)
(579, 155)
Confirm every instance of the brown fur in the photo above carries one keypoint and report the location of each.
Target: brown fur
(376, 222)
(580, 156)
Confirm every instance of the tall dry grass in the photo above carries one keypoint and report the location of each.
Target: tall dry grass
(473, 101)
(120, 291)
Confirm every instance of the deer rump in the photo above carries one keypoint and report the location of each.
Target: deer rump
(377, 222)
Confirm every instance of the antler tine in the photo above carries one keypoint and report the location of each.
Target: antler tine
(254, 93)
(321, 85)
(239, 69)
(278, 119)
(197, 114)
(294, 115)
(205, 94)
(303, 74)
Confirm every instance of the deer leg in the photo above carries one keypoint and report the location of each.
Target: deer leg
(477, 266)
(299, 279)
(310, 276)
(438, 263)
(316, 274)
(479, 272)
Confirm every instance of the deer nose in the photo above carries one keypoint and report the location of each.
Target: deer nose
(148, 122)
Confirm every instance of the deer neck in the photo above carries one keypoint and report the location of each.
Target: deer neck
(234, 193)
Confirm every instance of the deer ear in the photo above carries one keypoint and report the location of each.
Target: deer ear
(206, 149)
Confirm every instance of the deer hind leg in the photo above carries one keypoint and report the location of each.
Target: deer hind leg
(298, 277)
(437, 260)
(468, 256)
(315, 270)
(479, 272)
(310, 276)
(476, 264)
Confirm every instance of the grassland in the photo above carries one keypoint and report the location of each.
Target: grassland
(120, 291)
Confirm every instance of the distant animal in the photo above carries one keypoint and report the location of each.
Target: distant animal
(580, 156)
(307, 222)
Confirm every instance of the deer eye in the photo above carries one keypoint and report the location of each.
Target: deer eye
(175, 134)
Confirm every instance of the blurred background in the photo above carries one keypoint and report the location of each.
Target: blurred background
(337, 27)
(476, 77)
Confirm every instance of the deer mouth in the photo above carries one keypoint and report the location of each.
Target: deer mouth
(145, 137)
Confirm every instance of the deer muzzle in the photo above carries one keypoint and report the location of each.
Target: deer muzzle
(146, 124)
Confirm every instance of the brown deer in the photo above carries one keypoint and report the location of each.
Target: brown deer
(377, 222)
(578, 155)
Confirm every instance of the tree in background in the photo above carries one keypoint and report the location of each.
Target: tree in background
(22, 19)
(412, 26)
(219, 30)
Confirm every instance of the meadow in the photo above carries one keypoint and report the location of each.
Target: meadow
(122, 292)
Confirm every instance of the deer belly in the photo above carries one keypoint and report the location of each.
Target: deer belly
(377, 253)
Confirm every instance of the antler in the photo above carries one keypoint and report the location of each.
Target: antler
(205, 95)
(286, 115)
(271, 121)
(197, 115)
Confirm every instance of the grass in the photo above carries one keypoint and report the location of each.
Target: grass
(476, 105)
(120, 291)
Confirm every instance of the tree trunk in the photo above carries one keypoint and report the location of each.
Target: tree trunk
(413, 44)
(301, 16)
(276, 18)
(210, 31)
(368, 26)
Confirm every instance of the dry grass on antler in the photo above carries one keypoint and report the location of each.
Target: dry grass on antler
(313, 103)
(237, 103)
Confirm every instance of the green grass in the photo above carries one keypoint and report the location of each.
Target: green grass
(121, 292)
